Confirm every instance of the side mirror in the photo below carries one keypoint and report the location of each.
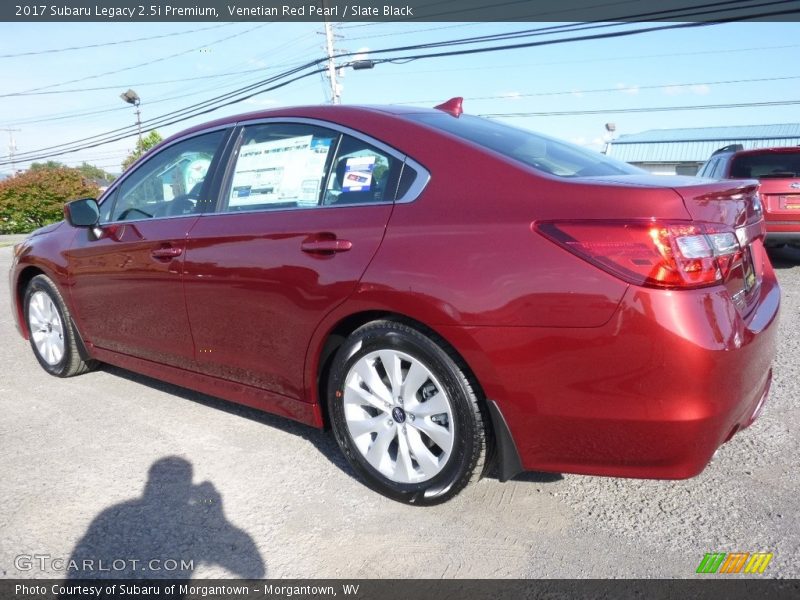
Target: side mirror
(82, 213)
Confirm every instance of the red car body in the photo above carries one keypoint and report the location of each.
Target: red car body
(584, 371)
(778, 171)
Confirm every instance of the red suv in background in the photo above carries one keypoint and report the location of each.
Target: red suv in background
(778, 170)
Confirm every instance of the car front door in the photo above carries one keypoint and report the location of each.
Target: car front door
(302, 214)
(126, 274)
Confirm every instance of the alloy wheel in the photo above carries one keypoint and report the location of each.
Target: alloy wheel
(399, 416)
(46, 327)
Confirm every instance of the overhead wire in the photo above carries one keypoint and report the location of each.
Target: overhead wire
(600, 111)
(231, 98)
(113, 43)
(139, 65)
(517, 95)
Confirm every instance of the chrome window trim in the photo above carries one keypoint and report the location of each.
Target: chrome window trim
(289, 209)
(121, 179)
(147, 220)
(413, 192)
(419, 184)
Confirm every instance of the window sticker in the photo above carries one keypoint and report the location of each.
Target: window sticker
(287, 170)
(358, 174)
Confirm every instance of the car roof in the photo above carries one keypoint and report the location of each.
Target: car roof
(778, 150)
(328, 112)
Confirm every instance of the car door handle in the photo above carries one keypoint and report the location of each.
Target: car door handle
(169, 252)
(326, 246)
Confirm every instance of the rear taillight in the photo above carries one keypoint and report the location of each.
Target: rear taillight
(650, 253)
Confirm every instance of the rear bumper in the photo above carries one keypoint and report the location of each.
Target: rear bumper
(781, 231)
(781, 237)
(651, 394)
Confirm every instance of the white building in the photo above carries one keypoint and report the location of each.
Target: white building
(683, 151)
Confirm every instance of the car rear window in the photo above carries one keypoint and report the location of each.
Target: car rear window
(769, 164)
(543, 153)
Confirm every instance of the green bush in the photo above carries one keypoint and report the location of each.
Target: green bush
(36, 197)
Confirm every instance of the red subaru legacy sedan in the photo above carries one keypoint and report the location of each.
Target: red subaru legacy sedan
(449, 294)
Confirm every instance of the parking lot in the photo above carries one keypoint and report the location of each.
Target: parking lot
(235, 492)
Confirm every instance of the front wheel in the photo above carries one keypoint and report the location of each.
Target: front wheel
(52, 335)
(405, 414)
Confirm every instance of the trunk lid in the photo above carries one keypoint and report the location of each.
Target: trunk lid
(734, 204)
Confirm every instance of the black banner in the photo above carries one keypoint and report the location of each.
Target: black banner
(398, 10)
(412, 589)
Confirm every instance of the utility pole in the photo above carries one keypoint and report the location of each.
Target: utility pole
(335, 90)
(12, 147)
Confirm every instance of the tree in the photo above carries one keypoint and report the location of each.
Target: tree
(50, 164)
(89, 171)
(93, 172)
(36, 197)
(142, 146)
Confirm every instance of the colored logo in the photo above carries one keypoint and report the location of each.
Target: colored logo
(734, 562)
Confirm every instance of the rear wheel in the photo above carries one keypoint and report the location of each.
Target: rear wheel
(52, 335)
(405, 414)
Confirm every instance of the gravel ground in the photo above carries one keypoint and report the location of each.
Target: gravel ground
(240, 493)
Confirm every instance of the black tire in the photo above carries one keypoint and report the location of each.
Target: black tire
(71, 362)
(466, 460)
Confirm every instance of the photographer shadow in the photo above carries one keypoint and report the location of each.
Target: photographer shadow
(166, 533)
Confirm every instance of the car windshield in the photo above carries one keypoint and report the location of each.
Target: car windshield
(538, 151)
(769, 164)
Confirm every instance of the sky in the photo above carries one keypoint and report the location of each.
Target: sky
(709, 65)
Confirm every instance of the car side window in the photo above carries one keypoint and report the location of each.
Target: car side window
(295, 165)
(362, 174)
(169, 184)
(708, 168)
(281, 165)
(716, 170)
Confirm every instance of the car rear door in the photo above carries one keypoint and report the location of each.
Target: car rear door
(302, 212)
(126, 276)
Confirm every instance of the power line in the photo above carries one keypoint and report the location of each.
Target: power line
(463, 41)
(230, 98)
(115, 43)
(610, 58)
(119, 85)
(528, 17)
(596, 36)
(142, 83)
(515, 95)
(175, 116)
(182, 95)
(79, 114)
(712, 8)
(144, 64)
(397, 34)
(674, 14)
(602, 111)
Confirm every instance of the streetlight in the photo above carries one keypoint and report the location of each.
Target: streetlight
(609, 137)
(132, 97)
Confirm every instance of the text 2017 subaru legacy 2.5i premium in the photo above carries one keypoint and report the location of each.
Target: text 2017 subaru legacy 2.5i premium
(447, 293)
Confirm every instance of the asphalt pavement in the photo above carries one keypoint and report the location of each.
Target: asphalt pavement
(115, 467)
